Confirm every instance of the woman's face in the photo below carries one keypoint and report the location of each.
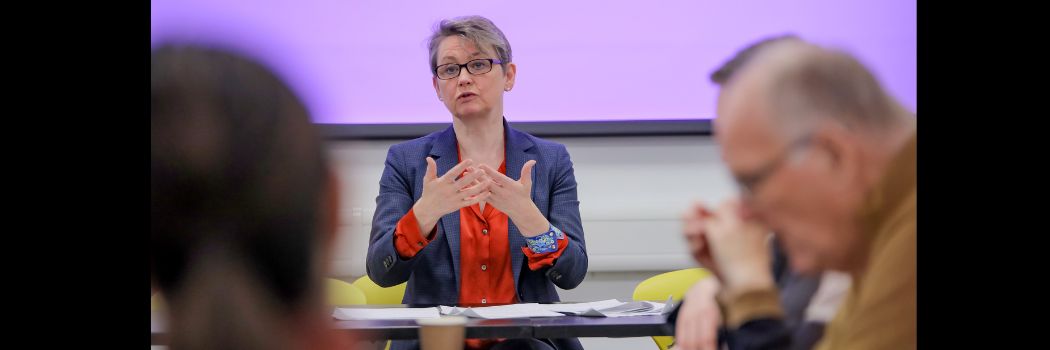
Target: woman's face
(471, 95)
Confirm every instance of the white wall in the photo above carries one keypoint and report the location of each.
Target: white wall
(631, 189)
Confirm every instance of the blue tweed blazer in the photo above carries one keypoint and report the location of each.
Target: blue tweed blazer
(433, 274)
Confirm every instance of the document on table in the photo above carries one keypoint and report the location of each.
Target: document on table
(634, 308)
(395, 313)
(603, 308)
(502, 311)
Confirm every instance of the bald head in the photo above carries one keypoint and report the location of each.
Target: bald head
(728, 69)
(800, 84)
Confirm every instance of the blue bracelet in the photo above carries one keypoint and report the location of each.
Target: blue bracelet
(545, 242)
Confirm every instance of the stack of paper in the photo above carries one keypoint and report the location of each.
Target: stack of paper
(385, 313)
(578, 308)
(604, 308)
(634, 308)
(502, 311)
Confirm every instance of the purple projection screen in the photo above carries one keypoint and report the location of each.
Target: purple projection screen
(365, 62)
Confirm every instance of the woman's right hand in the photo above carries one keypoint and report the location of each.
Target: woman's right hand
(445, 194)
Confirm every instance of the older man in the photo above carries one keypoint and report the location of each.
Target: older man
(809, 302)
(825, 158)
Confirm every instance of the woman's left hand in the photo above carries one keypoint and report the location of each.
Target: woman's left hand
(514, 198)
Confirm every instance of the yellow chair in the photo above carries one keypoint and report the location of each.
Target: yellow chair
(672, 284)
(343, 293)
(376, 295)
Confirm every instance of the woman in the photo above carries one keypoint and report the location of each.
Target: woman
(242, 206)
(479, 213)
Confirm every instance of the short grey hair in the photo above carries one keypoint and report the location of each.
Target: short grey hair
(807, 82)
(479, 30)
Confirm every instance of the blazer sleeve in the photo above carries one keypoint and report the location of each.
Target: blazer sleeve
(570, 268)
(383, 264)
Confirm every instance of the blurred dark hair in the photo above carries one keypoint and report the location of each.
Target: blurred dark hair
(237, 182)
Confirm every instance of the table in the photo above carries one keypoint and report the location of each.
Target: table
(536, 327)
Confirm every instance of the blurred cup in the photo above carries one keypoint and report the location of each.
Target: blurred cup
(444, 333)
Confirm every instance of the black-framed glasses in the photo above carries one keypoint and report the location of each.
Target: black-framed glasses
(475, 67)
(749, 183)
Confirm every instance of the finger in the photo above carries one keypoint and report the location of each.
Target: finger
(496, 189)
(526, 173)
(727, 207)
(497, 177)
(431, 173)
(694, 227)
(474, 200)
(475, 189)
(472, 174)
(704, 211)
(453, 173)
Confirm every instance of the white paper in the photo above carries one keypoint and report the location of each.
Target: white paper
(394, 313)
(502, 311)
(603, 308)
(581, 307)
(634, 308)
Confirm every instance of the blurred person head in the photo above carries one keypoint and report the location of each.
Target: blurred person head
(728, 69)
(241, 204)
(470, 60)
(807, 132)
